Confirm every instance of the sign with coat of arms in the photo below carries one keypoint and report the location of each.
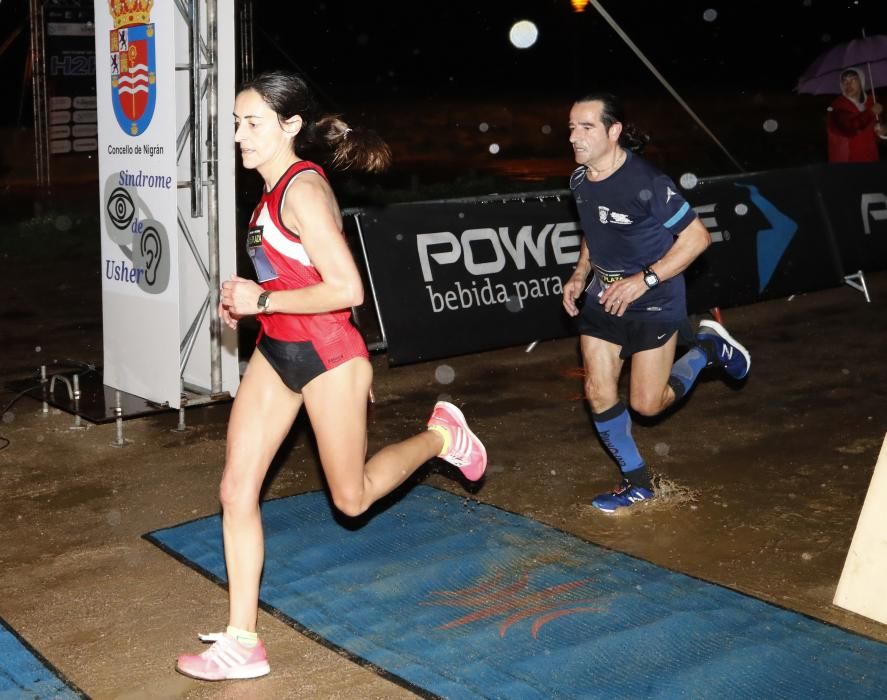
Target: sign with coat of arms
(138, 176)
(133, 66)
(157, 321)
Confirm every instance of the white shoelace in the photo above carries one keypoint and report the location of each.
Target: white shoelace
(225, 651)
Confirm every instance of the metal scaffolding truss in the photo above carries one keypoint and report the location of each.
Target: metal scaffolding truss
(37, 58)
(199, 129)
(207, 352)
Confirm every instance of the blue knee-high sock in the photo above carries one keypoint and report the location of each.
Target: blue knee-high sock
(614, 427)
(685, 371)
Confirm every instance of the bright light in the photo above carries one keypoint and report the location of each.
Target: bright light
(523, 34)
(578, 5)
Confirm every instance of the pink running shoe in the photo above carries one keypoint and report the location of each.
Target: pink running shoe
(461, 447)
(226, 659)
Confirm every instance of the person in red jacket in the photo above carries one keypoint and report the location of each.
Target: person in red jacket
(853, 122)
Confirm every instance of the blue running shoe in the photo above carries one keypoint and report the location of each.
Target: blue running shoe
(732, 356)
(624, 496)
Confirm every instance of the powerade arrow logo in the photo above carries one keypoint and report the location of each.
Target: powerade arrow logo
(771, 242)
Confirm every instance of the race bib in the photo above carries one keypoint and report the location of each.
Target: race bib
(264, 269)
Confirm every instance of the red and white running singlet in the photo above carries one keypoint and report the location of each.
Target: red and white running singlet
(281, 263)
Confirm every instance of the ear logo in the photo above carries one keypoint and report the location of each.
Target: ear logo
(151, 248)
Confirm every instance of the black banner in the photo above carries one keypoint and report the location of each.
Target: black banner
(855, 198)
(458, 277)
(768, 240)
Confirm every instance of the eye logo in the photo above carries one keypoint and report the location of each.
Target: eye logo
(121, 209)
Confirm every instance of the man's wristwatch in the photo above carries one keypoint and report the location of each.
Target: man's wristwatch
(651, 279)
(264, 302)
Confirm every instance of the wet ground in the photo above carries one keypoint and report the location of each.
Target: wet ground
(762, 483)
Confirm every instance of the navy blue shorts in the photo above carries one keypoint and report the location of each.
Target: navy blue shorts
(631, 335)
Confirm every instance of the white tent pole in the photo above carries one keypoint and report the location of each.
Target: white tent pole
(603, 13)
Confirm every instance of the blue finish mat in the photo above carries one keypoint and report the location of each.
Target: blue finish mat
(453, 598)
(24, 673)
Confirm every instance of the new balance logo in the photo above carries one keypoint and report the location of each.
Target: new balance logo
(635, 499)
(727, 352)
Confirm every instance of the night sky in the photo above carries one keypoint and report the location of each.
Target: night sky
(414, 70)
(437, 49)
(426, 50)
(735, 62)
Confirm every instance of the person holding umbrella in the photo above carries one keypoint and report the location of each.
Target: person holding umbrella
(853, 123)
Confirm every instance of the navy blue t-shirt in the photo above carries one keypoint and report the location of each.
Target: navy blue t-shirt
(630, 220)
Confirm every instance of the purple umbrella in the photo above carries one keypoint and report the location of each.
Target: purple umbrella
(869, 54)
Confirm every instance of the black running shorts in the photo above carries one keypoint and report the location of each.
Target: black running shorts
(631, 335)
(297, 363)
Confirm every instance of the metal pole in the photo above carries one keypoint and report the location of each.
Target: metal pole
(45, 386)
(366, 262)
(212, 196)
(246, 40)
(118, 412)
(76, 402)
(196, 121)
(38, 89)
(181, 427)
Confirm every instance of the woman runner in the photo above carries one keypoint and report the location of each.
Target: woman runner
(308, 352)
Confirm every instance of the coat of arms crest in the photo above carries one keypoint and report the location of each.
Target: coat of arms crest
(133, 64)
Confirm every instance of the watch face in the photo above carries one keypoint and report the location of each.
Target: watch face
(651, 279)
